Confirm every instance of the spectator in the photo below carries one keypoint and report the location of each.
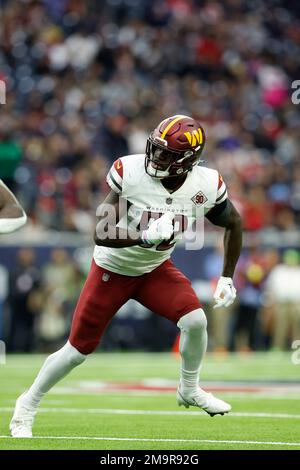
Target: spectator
(246, 328)
(87, 81)
(283, 294)
(219, 319)
(24, 280)
(58, 294)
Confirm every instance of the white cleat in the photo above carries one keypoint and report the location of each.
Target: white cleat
(22, 420)
(212, 405)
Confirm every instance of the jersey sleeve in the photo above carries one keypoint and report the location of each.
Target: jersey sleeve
(115, 176)
(221, 191)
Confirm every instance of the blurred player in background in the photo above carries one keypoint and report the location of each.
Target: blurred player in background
(12, 216)
(154, 198)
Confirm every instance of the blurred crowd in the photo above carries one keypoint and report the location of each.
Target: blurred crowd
(87, 81)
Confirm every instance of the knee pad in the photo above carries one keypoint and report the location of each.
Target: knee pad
(193, 321)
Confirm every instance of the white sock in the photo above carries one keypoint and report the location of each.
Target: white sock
(56, 367)
(189, 381)
(192, 347)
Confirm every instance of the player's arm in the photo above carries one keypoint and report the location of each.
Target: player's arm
(225, 215)
(108, 234)
(12, 216)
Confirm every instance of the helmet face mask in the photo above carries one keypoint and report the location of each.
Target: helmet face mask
(162, 159)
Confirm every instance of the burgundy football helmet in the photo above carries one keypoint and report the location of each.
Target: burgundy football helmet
(174, 147)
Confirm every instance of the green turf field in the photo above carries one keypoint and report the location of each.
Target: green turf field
(127, 401)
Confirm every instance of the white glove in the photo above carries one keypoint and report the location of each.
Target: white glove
(160, 229)
(225, 292)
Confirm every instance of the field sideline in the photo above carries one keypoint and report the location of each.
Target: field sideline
(127, 401)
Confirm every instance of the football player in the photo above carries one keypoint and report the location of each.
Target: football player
(153, 198)
(12, 216)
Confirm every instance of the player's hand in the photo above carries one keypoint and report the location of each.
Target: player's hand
(161, 229)
(225, 292)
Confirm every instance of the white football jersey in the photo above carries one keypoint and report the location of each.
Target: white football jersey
(149, 199)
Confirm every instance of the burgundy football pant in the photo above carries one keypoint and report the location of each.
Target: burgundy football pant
(165, 291)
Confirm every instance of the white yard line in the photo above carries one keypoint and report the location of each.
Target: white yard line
(238, 396)
(195, 441)
(157, 412)
(150, 393)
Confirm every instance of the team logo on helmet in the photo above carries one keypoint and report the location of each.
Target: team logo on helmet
(195, 138)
